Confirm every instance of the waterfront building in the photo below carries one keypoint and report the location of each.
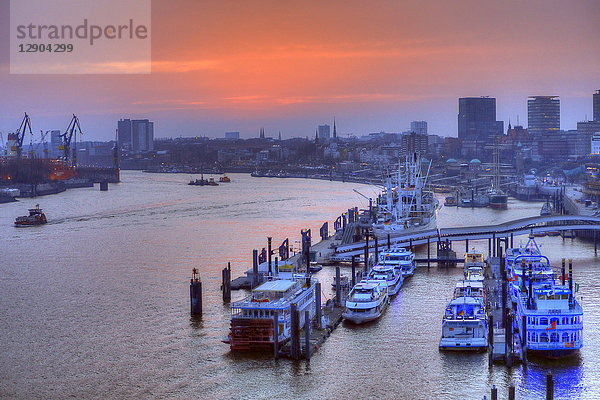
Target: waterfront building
(419, 127)
(543, 115)
(136, 135)
(324, 132)
(586, 130)
(55, 143)
(596, 98)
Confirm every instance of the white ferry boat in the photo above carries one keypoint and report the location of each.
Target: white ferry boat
(366, 302)
(399, 257)
(252, 319)
(464, 326)
(392, 277)
(467, 288)
(553, 318)
(405, 206)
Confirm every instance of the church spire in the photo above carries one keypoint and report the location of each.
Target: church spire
(334, 130)
(316, 136)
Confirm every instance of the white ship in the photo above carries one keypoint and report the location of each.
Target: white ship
(253, 325)
(366, 302)
(405, 206)
(392, 276)
(400, 258)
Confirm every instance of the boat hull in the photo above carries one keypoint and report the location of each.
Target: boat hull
(360, 319)
(554, 354)
(459, 344)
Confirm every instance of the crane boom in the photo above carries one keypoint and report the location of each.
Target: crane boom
(67, 137)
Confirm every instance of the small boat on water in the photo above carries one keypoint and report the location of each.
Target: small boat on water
(314, 267)
(211, 182)
(344, 282)
(224, 179)
(546, 209)
(474, 265)
(366, 302)
(36, 217)
(392, 276)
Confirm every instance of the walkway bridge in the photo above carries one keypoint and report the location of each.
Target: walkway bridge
(504, 230)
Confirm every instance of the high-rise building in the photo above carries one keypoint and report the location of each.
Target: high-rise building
(136, 135)
(597, 105)
(477, 119)
(55, 143)
(543, 115)
(324, 132)
(419, 127)
(232, 135)
(415, 143)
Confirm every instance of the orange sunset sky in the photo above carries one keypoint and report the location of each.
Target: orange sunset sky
(288, 66)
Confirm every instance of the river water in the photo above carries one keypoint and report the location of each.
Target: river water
(95, 304)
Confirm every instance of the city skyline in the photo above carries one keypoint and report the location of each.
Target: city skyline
(290, 68)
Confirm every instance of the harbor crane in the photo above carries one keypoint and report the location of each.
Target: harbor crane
(16, 139)
(42, 140)
(71, 131)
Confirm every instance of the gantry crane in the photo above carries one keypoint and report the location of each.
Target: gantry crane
(71, 131)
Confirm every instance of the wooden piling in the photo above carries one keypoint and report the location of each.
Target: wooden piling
(366, 253)
(549, 387)
(376, 250)
(307, 334)
(389, 242)
(269, 253)
(195, 294)
(295, 332)
(489, 247)
(524, 339)
(511, 240)
(353, 271)
(494, 244)
(562, 272)
(226, 284)
(503, 301)
(319, 310)
(466, 245)
(428, 253)
(338, 287)
(491, 340)
(255, 279)
(275, 334)
(508, 342)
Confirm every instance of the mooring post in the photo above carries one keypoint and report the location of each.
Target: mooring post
(466, 245)
(275, 334)
(254, 268)
(571, 277)
(524, 340)
(503, 301)
(225, 284)
(491, 340)
(494, 243)
(295, 339)
(269, 253)
(595, 242)
(277, 266)
(428, 253)
(511, 392)
(338, 287)
(410, 246)
(366, 253)
(489, 247)
(562, 272)
(228, 282)
(508, 336)
(195, 294)
(511, 240)
(549, 387)
(494, 394)
(319, 311)
(389, 242)
(353, 271)
(307, 334)
(376, 250)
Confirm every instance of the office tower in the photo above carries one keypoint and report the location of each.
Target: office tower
(597, 105)
(543, 115)
(419, 127)
(477, 119)
(136, 135)
(324, 132)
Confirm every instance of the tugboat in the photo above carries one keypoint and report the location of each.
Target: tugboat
(36, 217)
(224, 179)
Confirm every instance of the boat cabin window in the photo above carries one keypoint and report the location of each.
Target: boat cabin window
(543, 321)
(554, 321)
(565, 337)
(564, 296)
(554, 337)
(544, 337)
(565, 320)
(541, 297)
